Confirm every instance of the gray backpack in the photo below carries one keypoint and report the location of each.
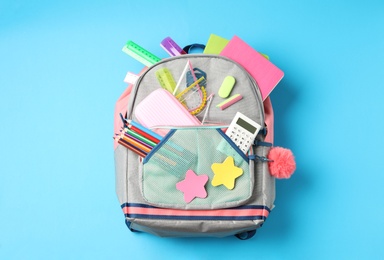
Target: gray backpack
(150, 186)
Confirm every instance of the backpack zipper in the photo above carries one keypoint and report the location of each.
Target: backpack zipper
(190, 127)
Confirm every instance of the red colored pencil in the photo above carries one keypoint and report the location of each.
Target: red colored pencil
(150, 137)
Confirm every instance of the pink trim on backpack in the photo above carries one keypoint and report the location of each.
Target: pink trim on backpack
(269, 119)
(145, 210)
(121, 107)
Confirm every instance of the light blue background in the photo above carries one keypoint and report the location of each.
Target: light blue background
(62, 69)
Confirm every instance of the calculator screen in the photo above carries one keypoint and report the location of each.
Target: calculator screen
(245, 125)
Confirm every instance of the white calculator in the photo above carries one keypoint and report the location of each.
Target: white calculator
(243, 131)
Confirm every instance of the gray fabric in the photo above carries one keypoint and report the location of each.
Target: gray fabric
(121, 169)
(128, 166)
(217, 68)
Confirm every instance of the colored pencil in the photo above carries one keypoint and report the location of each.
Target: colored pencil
(144, 134)
(126, 145)
(135, 144)
(138, 136)
(137, 140)
(144, 129)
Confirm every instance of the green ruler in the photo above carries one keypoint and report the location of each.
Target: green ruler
(140, 54)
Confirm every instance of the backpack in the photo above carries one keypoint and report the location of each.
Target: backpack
(194, 181)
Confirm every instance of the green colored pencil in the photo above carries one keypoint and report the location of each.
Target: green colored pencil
(140, 137)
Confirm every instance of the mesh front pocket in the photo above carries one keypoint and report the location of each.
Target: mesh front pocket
(196, 150)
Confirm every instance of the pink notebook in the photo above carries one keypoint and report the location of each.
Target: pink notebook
(161, 108)
(266, 74)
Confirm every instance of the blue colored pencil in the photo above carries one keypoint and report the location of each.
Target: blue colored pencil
(144, 129)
